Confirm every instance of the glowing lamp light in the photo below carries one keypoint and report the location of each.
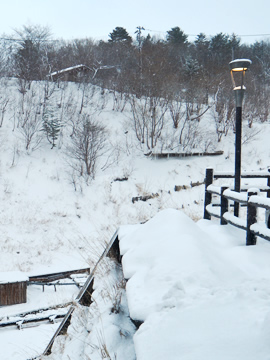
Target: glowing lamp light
(238, 69)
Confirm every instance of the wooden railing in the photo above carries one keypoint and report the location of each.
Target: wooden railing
(248, 197)
(85, 295)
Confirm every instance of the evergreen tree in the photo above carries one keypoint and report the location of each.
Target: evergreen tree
(120, 34)
(176, 36)
(31, 52)
(51, 125)
(201, 42)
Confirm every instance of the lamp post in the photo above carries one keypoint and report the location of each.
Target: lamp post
(238, 70)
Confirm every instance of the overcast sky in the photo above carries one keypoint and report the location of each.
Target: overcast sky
(70, 19)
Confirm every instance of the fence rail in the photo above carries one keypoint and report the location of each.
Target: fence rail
(85, 295)
(251, 199)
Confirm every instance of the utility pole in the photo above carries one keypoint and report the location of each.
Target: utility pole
(139, 39)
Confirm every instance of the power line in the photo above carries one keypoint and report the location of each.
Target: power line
(155, 31)
(164, 32)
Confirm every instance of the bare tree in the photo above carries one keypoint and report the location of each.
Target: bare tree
(176, 110)
(188, 133)
(4, 101)
(88, 144)
(30, 125)
(29, 118)
(223, 120)
(148, 118)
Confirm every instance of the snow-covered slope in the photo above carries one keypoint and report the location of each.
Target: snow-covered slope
(51, 221)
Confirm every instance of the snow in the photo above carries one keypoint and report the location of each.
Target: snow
(197, 277)
(12, 277)
(214, 189)
(241, 197)
(69, 69)
(262, 230)
(241, 60)
(199, 292)
(213, 210)
(260, 201)
(237, 221)
(17, 344)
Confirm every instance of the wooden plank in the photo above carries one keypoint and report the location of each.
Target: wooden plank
(85, 291)
(32, 320)
(40, 310)
(58, 275)
(183, 155)
(91, 276)
(13, 293)
(61, 327)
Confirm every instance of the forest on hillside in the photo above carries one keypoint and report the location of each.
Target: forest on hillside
(160, 81)
(173, 68)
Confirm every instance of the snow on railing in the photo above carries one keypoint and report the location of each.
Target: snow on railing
(213, 210)
(85, 295)
(261, 231)
(235, 196)
(250, 198)
(244, 174)
(214, 189)
(260, 201)
(236, 221)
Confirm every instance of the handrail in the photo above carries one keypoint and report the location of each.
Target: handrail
(251, 199)
(86, 290)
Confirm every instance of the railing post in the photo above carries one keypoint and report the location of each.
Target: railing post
(251, 219)
(207, 195)
(224, 205)
(268, 184)
(267, 212)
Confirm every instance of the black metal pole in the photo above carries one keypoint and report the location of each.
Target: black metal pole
(238, 140)
(207, 196)
(239, 96)
(251, 219)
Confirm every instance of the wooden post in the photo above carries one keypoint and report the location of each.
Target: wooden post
(223, 206)
(114, 251)
(207, 195)
(86, 299)
(251, 219)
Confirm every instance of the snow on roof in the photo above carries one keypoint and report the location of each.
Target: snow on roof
(69, 69)
(12, 277)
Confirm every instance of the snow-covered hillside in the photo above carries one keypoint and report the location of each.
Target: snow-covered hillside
(53, 220)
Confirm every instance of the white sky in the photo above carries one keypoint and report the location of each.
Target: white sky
(71, 19)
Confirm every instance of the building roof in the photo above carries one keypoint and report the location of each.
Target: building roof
(69, 69)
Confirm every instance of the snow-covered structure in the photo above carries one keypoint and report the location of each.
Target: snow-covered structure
(73, 73)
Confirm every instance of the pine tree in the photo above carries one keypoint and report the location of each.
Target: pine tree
(176, 36)
(120, 34)
(51, 125)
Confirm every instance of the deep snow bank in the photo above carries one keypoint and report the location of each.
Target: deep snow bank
(200, 292)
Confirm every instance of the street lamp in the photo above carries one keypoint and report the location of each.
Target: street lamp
(238, 69)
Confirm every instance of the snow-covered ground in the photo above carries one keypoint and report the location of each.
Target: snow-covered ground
(200, 292)
(47, 226)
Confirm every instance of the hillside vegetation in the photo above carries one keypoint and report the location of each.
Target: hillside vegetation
(77, 158)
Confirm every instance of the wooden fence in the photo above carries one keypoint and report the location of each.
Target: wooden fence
(85, 295)
(248, 197)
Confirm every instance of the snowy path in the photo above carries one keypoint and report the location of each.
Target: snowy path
(211, 300)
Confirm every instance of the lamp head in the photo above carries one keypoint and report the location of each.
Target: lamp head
(240, 64)
(238, 69)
